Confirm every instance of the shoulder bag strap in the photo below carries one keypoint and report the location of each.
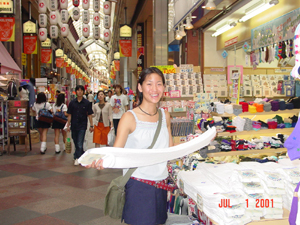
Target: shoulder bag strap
(45, 105)
(127, 176)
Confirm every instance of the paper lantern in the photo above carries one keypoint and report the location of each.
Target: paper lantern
(96, 5)
(106, 8)
(64, 14)
(96, 19)
(43, 34)
(96, 32)
(53, 31)
(86, 16)
(107, 35)
(43, 20)
(42, 6)
(85, 4)
(76, 3)
(63, 4)
(53, 17)
(86, 30)
(76, 13)
(53, 5)
(64, 30)
(107, 21)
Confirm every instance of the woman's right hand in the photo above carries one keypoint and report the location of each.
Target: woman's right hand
(96, 165)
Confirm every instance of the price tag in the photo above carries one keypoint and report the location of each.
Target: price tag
(235, 76)
(199, 202)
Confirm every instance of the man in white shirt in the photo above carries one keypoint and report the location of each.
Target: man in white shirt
(90, 97)
(119, 104)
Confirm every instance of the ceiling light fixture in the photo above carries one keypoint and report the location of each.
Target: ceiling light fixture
(258, 9)
(224, 29)
(189, 24)
(210, 5)
(178, 37)
(181, 30)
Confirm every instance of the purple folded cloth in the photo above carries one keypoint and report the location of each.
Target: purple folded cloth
(275, 105)
(225, 142)
(281, 125)
(289, 106)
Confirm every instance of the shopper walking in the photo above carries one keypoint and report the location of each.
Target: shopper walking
(108, 97)
(103, 119)
(90, 97)
(57, 126)
(145, 204)
(41, 102)
(119, 104)
(79, 110)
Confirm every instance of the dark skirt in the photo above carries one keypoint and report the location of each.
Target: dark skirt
(57, 125)
(144, 204)
(42, 124)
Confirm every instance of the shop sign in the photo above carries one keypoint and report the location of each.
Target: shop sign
(59, 53)
(6, 7)
(125, 48)
(47, 43)
(7, 29)
(186, 68)
(30, 44)
(59, 62)
(217, 69)
(29, 28)
(232, 41)
(125, 31)
(68, 69)
(112, 73)
(24, 57)
(283, 70)
(166, 69)
(140, 48)
(117, 65)
(65, 64)
(277, 30)
(46, 55)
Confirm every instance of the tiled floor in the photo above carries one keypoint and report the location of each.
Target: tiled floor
(46, 189)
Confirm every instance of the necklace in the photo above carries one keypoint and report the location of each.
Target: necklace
(149, 113)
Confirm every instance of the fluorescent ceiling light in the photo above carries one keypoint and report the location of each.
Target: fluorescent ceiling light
(181, 31)
(224, 29)
(256, 11)
(178, 37)
(189, 24)
(210, 5)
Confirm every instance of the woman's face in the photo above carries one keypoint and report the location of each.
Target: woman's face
(101, 96)
(152, 88)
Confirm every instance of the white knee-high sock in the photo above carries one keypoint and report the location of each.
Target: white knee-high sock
(43, 146)
(57, 148)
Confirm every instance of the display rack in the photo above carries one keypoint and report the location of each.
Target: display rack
(259, 132)
(292, 111)
(3, 122)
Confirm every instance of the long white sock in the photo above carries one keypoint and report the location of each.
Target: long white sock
(57, 148)
(43, 146)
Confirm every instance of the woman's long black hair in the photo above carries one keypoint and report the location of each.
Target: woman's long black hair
(142, 77)
(41, 98)
(60, 99)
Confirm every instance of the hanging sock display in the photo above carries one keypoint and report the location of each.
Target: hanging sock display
(267, 54)
(283, 52)
(279, 50)
(296, 70)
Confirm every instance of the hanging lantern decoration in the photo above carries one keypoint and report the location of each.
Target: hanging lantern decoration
(76, 3)
(64, 30)
(53, 17)
(53, 31)
(43, 20)
(107, 35)
(63, 4)
(107, 21)
(43, 34)
(86, 30)
(42, 6)
(85, 4)
(96, 32)
(96, 19)
(64, 14)
(86, 16)
(96, 5)
(53, 5)
(76, 13)
(106, 8)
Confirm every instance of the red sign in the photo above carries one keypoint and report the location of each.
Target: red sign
(65, 64)
(125, 48)
(117, 65)
(231, 41)
(30, 44)
(7, 29)
(46, 55)
(59, 62)
(17, 104)
(68, 69)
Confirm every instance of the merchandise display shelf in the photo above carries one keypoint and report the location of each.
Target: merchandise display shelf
(180, 114)
(177, 99)
(293, 111)
(246, 152)
(259, 132)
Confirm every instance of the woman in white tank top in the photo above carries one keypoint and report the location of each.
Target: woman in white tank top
(145, 204)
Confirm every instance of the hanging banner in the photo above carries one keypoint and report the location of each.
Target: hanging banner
(59, 62)
(68, 69)
(117, 65)
(112, 73)
(46, 55)
(125, 48)
(140, 48)
(7, 29)
(280, 29)
(65, 64)
(30, 44)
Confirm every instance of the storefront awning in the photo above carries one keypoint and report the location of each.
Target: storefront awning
(7, 62)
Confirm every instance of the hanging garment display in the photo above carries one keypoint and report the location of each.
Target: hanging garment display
(42, 6)
(64, 14)
(53, 5)
(296, 70)
(106, 7)
(86, 30)
(43, 34)
(53, 31)
(86, 16)
(43, 20)
(107, 21)
(96, 19)
(76, 13)
(64, 30)
(63, 4)
(53, 17)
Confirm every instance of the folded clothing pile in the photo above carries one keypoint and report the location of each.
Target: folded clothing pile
(267, 107)
(282, 105)
(272, 123)
(248, 124)
(252, 109)
(239, 123)
(287, 122)
(259, 107)
(214, 146)
(237, 109)
(294, 120)
(245, 106)
(275, 105)
(256, 125)
(226, 146)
